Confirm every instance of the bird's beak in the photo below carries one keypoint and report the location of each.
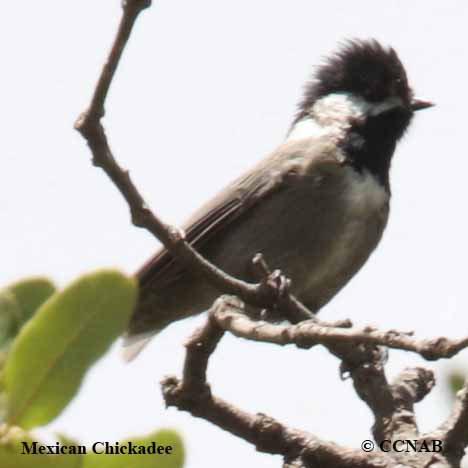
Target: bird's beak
(419, 104)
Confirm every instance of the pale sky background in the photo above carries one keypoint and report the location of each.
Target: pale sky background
(205, 89)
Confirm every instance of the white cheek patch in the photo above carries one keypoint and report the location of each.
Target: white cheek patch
(306, 128)
(346, 106)
(332, 115)
(339, 109)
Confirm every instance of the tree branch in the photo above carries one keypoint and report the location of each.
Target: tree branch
(193, 394)
(308, 333)
(454, 431)
(391, 404)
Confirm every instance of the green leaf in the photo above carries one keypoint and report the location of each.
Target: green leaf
(18, 302)
(30, 294)
(164, 437)
(10, 315)
(12, 442)
(55, 348)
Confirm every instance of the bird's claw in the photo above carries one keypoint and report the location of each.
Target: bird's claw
(279, 283)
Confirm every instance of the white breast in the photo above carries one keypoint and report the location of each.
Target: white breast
(355, 234)
(364, 194)
(358, 202)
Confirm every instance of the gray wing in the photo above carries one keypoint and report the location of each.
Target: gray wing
(299, 159)
(271, 175)
(216, 215)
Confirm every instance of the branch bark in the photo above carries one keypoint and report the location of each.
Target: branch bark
(309, 333)
(193, 394)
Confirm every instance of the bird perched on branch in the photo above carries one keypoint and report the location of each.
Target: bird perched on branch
(315, 208)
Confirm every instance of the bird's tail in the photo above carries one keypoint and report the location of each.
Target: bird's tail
(134, 344)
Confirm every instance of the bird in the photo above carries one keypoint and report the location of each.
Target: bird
(315, 208)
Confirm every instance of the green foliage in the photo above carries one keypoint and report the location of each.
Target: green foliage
(11, 456)
(163, 437)
(48, 340)
(10, 315)
(31, 293)
(54, 349)
(14, 455)
(18, 302)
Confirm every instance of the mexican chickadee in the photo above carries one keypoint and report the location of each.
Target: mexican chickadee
(315, 208)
